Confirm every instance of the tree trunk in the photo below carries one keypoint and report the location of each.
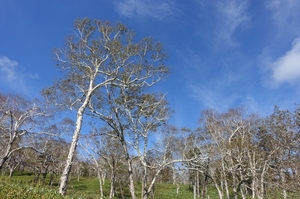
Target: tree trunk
(121, 190)
(52, 178)
(174, 176)
(220, 193)
(225, 180)
(65, 175)
(44, 175)
(243, 192)
(6, 155)
(144, 184)
(152, 191)
(100, 183)
(36, 178)
(204, 186)
(253, 185)
(11, 170)
(282, 176)
(194, 190)
(235, 185)
(2, 161)
(151, 185)
(112, 185)
(261, 193)
(130, 170)
(131, 182)
(197, 184)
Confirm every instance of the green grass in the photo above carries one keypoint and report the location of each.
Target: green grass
(169, 191)
(19, 190)
(21, 187)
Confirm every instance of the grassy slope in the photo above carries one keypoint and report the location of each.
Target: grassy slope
(21, 186)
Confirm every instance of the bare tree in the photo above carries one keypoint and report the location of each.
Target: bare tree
(169, 153)
(132, 117)
(19, 118)
(107, 155)
(253, 156)
(232, 134)
(151, 113)
(93, 150)
(279, 140)
(99, 55)
(14, 161)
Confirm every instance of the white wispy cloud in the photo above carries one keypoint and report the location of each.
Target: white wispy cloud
(285, 15)
(284, 12)
(13, 76)
(233, 13)
(212, 91)
(142, 8)
(226, 17)
(213, 97)
(8, 68)
(287, 67)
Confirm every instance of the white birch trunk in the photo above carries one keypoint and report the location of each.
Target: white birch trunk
(65, 175)
(284, 194)
(261, 193)
(6, 155)
(194, 191)
(220, 193)
(131, 181)
(225, 180)
(112, 186)
(100, 183)
(130, 170)
(144, 184)
(197, 184)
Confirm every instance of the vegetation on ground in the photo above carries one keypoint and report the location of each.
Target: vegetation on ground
(87, 188)
(21, 186)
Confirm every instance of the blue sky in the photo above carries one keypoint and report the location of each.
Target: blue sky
(222, 53)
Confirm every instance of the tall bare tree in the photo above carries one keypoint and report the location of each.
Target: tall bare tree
(99, 55)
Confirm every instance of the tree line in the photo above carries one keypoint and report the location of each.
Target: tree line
(121, 131)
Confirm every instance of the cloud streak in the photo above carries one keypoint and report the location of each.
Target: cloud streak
(284, 11)
(287, 67)
(12, 75)
(142, 8)
(226, 18)
(213, 98)
(233, 14)
(8, 68)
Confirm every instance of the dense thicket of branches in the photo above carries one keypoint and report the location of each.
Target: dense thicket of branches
(252, 155)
